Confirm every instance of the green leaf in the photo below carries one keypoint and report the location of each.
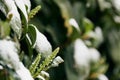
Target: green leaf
(32, 34)
(4, 29)
(88, 25)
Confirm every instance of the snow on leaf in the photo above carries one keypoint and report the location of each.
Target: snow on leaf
(103, 4)
(42, 45)
(102, 77)
(82, 58)
(95, 55)
(3, 7)
(81, 53)
(27, 4)
(13, 16)
(45, 74)
(8, 53)
(40, 77)
(24, 73)
(99, 35)
(21, 6)
(116, 4)
(57, 61)
(73, 22)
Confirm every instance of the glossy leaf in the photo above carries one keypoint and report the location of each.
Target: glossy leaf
(31, 34)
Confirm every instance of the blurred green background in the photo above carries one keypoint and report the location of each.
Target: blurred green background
(95, 22)
(53, 21)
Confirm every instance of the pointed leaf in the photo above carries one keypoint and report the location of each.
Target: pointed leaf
(88, 25)
(32, 34)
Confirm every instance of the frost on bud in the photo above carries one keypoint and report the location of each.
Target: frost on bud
(8, 53)
(57, 61)
(42, 45)
(24, 73)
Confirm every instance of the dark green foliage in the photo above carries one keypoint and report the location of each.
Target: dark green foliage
(54, 16)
